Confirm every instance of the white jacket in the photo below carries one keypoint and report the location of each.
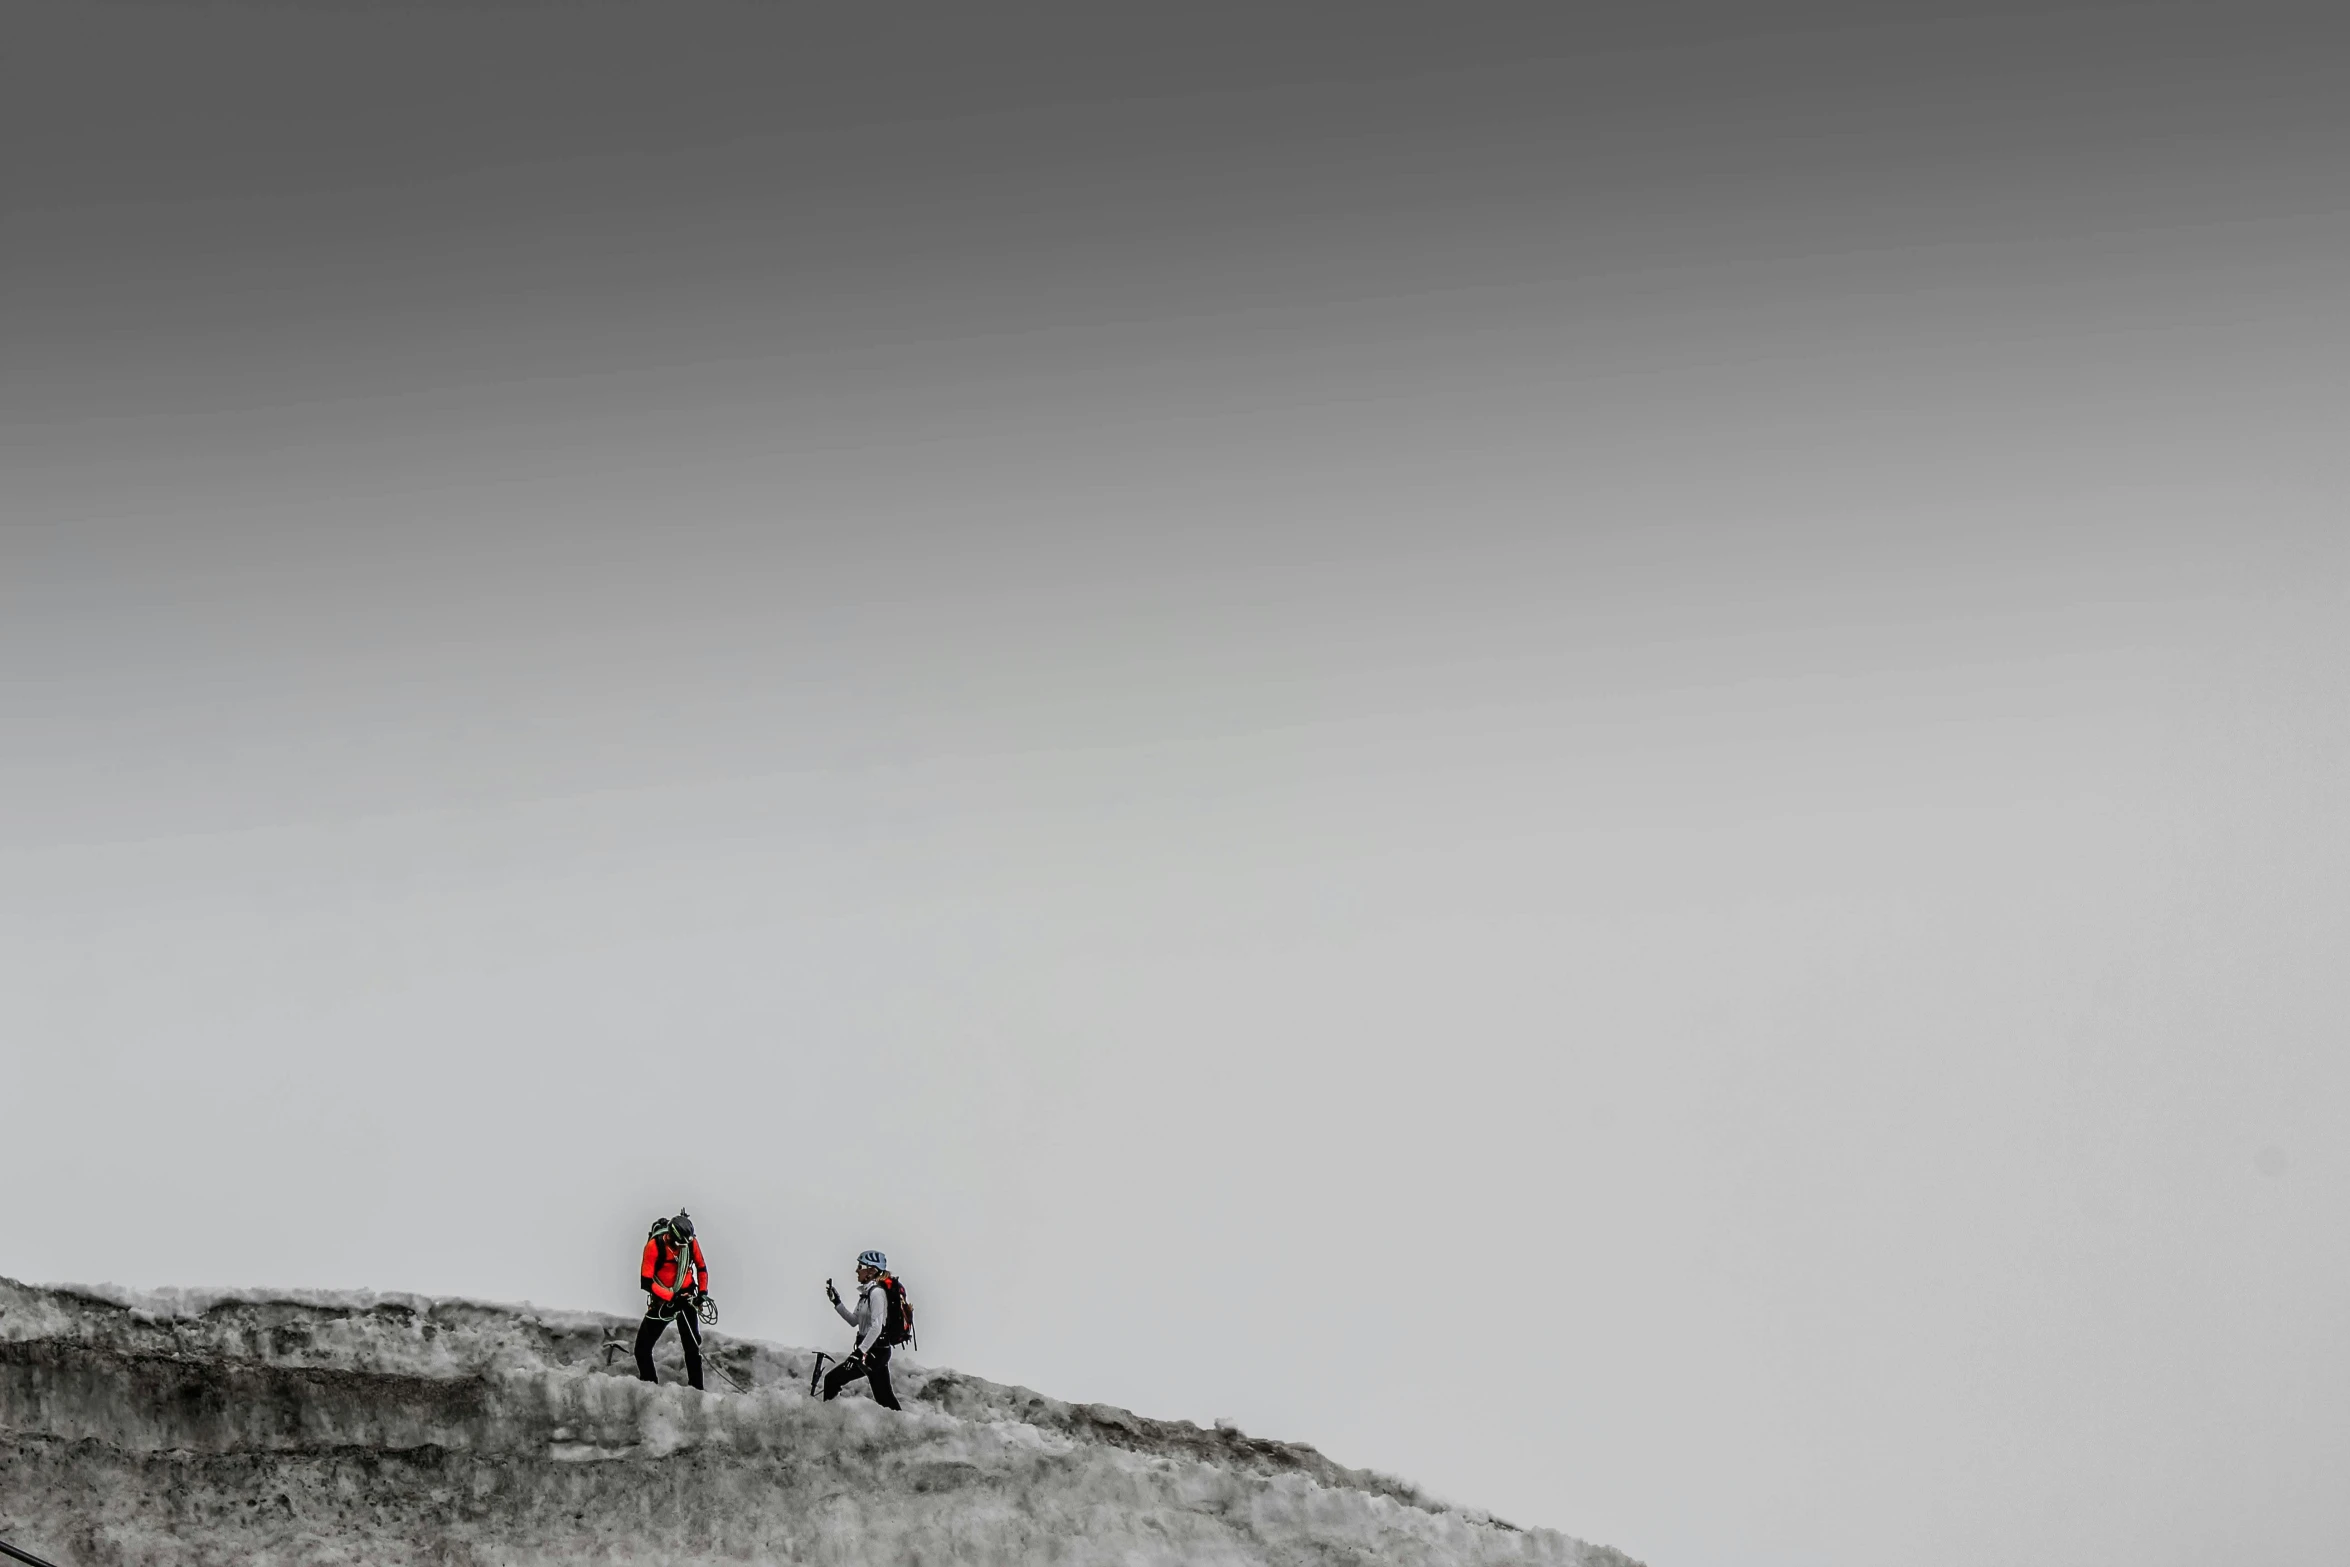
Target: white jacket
(870, 1317)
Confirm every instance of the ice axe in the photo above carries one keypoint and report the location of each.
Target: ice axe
(816, 1371)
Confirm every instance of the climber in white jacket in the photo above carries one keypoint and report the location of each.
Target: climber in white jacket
(879, 1325)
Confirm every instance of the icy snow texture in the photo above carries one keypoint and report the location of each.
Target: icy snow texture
(313, 1428)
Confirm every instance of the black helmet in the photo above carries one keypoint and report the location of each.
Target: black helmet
(682, 1226)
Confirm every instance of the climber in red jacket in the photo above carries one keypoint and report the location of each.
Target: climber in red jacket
(675, 1279)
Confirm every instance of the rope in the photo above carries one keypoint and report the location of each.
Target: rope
(709, 1357)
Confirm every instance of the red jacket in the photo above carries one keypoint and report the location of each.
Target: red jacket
(659, 1273)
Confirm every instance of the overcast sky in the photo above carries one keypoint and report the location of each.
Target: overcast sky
(1600, 754)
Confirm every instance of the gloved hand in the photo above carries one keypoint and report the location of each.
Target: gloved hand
(830, 1293)
(855, 1357)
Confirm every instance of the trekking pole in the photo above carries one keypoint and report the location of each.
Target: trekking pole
(26, 1557)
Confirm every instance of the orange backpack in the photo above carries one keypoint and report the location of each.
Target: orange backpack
(897, 1325)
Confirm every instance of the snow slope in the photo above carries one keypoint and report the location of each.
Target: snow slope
(383, 1429)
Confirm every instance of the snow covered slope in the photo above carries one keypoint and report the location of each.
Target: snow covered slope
(384, 1429)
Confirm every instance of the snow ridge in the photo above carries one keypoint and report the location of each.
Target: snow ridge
(276, 1428)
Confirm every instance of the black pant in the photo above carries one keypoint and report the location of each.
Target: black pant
(874, 1370)
(659, 1315)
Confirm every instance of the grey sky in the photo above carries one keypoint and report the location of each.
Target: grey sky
(1689, 666)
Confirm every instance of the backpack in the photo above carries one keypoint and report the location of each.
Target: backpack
(897, 1324)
